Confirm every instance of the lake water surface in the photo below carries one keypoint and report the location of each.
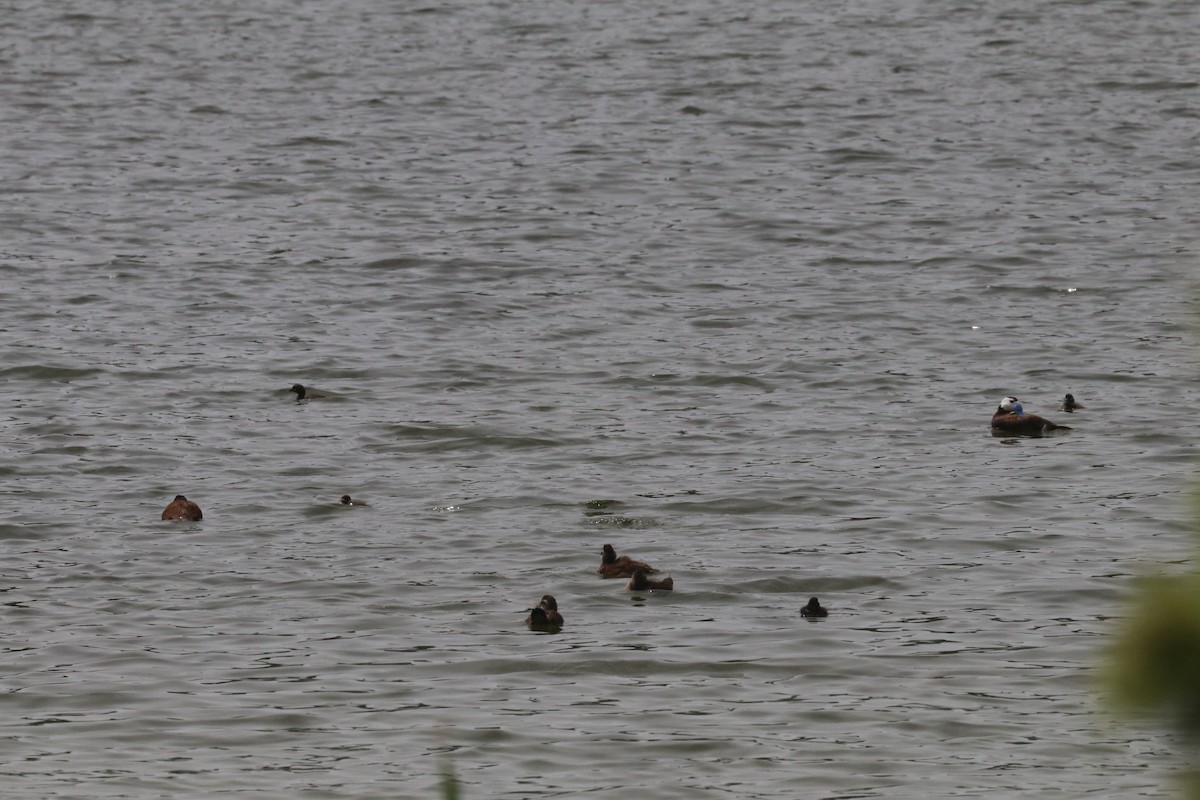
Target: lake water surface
(732, 287)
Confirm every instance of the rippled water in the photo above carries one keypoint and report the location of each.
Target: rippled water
(733, 288)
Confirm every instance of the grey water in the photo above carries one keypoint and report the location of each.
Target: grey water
(732, 287)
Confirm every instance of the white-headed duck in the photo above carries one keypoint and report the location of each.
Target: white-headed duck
(1010, 417)
(347, 500)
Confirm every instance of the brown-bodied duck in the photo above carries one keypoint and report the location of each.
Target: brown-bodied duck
(614, 566)
(1010, 418)
(640, 583)
(182, 508)
(545, 616)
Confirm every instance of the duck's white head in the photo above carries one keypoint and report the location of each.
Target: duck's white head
(1013, 406)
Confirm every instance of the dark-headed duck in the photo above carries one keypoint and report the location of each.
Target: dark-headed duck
(1010, 417)
(545, 616)
(349, 501)
(814, 609)
(639, 582)
(614, 566)
(1069, 403)
(182, 508)
(304, 394)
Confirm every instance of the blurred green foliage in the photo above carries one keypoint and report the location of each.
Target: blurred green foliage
(1154, 666)
(449, 782)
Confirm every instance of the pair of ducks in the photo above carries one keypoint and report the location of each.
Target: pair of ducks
(1010, 417)
(182, 508)
(614, 566)
(546, 617)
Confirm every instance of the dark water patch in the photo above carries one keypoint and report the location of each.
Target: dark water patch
(733, 380)
(447, 438)
(1041, 290)
(807, 585)
(32, 531)
(1147, 86)
(511, 502)
(734, 506)
(398, 263)
(46, 372)
(720, 323)
(850, 155)
(310, 141)
(682, 492)
(621, 521)
(601, 506)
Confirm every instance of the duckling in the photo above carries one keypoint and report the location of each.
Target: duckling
(639, 582)
(182, 508)
(1069, 404)
(1010, 417)
(348, 501)
(545, 616)
(613, 566)
(814, 609)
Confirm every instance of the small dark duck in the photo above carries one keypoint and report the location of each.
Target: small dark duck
(304, 394)
(1010, 418)
(347, 500)
(1069, 403)
(814, 609)
(545, 616)
(614, 566)
(640, 583)
(182, 508)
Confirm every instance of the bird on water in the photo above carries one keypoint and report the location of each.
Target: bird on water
(814, 609)
(182, 508)
(1010, 418)
(614, 566)
(640, 583)
(303, 393)
(544, 616)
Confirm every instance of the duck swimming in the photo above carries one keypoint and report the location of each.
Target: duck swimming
(640, 583)
(182, 508)
(613, 566)
(814, 609)
(303, 394)
(545, 616)
(1010, 417)
(348, 501)
(1069, 403)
